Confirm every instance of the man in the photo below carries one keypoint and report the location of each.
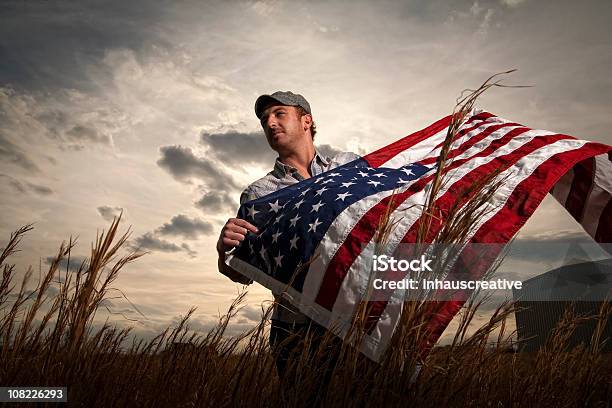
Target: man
(287, 123)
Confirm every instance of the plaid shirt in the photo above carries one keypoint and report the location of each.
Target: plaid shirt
(281, 176)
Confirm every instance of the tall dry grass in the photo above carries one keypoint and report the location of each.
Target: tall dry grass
(48, 339)
(58, 346)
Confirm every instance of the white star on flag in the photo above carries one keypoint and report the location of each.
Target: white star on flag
(278, 259)
(252, 212)
(343, 196)
(321, 191)
(315, 207)
(294, 220)
(294, 241)
(297, 205)
(314, 225)
(275, 207)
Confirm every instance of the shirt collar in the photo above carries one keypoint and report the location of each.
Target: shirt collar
(281, 169)
(321, 158)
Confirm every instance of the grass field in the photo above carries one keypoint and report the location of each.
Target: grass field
(180, 368)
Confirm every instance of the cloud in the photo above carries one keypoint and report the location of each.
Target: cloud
(25, 187)
(200, 325)
(48, 46)
(108, 213)
(328, 150)
(40, 190)
(183, 226)
(237, 148)
(151, 242)
(69, 119)
(184, 165)
(82, 133)
(11, 153)
(486, 22)
(554, 247)
(74, 264)
(251, 313)
(265, 8)
(476, 9)
(477, 16)
(511, 3)
(556, 237)
(214, 202)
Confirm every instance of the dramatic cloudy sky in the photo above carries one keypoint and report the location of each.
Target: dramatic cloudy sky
(147, 106)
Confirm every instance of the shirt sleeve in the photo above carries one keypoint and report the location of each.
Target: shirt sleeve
(343, 158)
(247, 195)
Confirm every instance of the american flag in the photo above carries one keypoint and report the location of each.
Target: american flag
(323, 226)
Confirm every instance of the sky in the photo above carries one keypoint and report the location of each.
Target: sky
(147, 107)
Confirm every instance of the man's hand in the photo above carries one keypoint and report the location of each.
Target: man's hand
(233, 232)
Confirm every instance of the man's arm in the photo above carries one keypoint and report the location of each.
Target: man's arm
(233, 232)
(231, 273)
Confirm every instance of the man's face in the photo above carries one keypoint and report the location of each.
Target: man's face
(284, 128)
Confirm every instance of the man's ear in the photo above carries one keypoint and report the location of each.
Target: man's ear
(307, 121)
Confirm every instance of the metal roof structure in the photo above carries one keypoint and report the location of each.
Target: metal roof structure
(544, 299)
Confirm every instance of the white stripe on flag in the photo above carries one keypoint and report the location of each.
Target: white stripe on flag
(425, 148)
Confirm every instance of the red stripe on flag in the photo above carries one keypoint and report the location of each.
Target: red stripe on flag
(581, 187)
(466, 130)
(383, 155)
(473, 140)
(604, 229)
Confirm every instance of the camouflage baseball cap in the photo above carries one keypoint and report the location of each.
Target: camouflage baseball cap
(287, 98)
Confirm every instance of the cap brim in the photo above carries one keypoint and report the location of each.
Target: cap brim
(262, 102)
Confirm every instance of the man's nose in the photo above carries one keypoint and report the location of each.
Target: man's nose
(271, 121)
